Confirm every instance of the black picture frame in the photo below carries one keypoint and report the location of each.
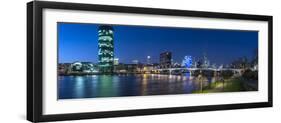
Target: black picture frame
(35, 69)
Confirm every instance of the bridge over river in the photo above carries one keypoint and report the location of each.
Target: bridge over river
(191, 70)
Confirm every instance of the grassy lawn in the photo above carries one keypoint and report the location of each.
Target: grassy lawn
(230, 85)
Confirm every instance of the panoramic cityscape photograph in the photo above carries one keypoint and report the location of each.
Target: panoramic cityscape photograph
(105, 60)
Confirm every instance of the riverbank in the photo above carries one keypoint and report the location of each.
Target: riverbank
(229, 85)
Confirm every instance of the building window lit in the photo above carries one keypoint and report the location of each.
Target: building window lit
(106, 49)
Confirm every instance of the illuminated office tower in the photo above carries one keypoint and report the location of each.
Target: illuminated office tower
(148, 60)
(106, 49)
(165, 60)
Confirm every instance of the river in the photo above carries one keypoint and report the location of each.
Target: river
(93, 86)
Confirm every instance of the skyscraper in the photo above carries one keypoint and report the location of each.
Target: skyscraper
(206, 62)
(148, 60)
(165, 60)
(106, 49)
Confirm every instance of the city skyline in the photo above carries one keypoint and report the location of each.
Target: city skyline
(79, 42)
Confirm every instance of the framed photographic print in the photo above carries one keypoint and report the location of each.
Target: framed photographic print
(95, 61)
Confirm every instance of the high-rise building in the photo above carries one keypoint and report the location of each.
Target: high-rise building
(165, 60)
(106, 49)
(206, 62)
(187, 62)
(148, 60)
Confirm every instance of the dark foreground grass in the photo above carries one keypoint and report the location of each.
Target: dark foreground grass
(230, 85)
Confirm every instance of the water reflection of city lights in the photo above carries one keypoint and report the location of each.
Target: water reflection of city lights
(94, 76)
(145, 84)
(79, 80)
(144, 76)
(170, 76)
(79, 86)
(144, 80)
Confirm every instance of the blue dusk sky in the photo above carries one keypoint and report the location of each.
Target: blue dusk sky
(79, 42)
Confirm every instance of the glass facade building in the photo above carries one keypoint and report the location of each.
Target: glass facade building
(106, 49)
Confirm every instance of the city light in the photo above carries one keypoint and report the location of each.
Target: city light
(187, 61)
(110, 61)
(106, 49)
